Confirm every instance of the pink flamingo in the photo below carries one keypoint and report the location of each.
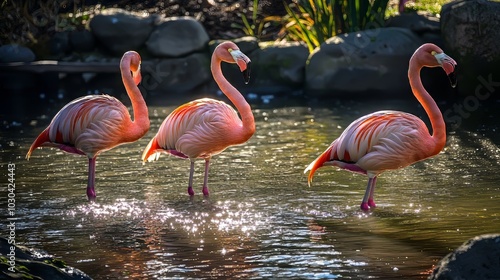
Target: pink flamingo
(205, 127)
(96, 123)
(388, 140)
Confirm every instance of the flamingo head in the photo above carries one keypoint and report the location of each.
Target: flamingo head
(431, 55)
(448, 65)
(243, 62)
(230, 53)
(133, 59)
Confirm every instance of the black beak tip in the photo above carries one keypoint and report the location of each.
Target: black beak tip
(246, 74)
(453, 79)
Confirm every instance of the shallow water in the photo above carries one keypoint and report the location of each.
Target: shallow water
(261, 220)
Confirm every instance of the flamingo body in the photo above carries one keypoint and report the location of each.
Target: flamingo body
(198, 129)
(93, 124)
(88, 125)
(205, 127)
(387, 140)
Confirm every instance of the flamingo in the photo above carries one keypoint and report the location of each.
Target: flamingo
(93, 124)
(205, 127)
(387, 140)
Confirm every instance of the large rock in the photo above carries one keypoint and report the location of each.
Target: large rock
(16, 53)
(177, 36)
(362, 63)
(478, 258)
(120, 31)
(26, 263)
(471, 31)
(278, 68)
(415, 22)
(426, 27)
(175, 75)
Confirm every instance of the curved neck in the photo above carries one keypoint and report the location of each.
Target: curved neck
(430, 106)
(140, 123)
(247, 119)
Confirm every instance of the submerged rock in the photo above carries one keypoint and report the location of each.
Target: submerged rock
(478, 258)
(25, 263)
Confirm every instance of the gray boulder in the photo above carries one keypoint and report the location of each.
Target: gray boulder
(16, 53)
(415, 22)
(175, 75)
(471, 31)
(27, 263)
(426, 27)
(177, 36)
(365, 62)
(120, 31)
(478, 258)
(278, 68)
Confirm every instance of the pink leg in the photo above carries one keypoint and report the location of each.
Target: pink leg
(368, 198)
(205, 180)
(371, 202)
(190, 184)
(91, 183)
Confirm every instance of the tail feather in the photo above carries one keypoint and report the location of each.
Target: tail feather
(151, 152)
(39, 141)
(317, 163)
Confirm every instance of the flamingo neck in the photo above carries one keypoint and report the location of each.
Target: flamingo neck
(244, 109)
(436, 118)
(140, 124)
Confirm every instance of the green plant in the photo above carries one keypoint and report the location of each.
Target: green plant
(311, 22)
(314, 21)
(257, 24)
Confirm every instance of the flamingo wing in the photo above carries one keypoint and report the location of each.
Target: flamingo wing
(377, 142)
(197, 129)
(87, 125)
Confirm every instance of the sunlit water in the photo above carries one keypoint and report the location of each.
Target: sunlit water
(261, 220)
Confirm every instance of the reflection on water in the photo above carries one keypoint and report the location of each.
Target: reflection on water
(261, 220)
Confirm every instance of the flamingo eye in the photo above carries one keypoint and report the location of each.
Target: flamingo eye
(433, 52)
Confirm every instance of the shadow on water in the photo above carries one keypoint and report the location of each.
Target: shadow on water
(261, 220)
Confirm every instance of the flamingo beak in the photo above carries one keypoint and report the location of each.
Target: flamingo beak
(448, 64)
(243, 62)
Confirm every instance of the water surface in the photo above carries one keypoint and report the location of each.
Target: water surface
(261, 220)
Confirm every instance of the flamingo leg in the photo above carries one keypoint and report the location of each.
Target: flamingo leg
(371, 202)
(205, 180)
(368, 198)
(190, 184)
(91, 183)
